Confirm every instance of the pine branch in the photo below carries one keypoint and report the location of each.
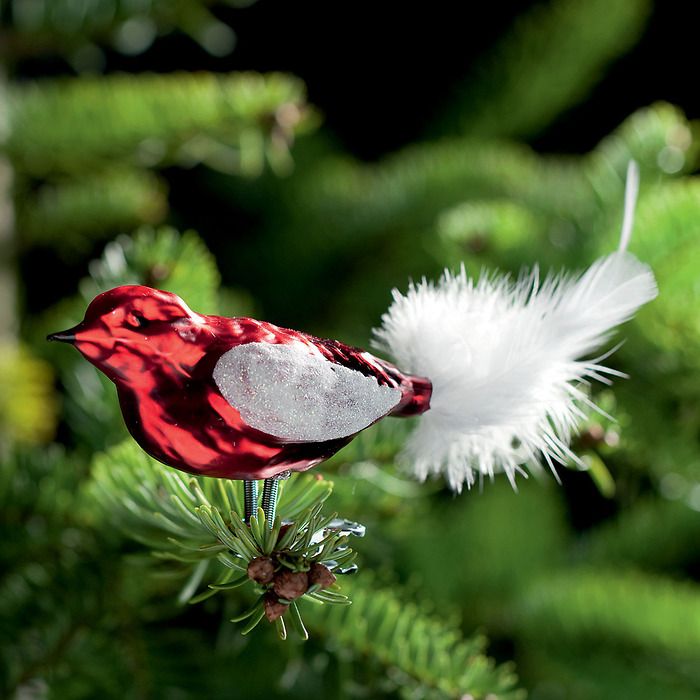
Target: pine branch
(162, 256)
(362, 213)
(70, 214)
(36, 479)
(198, 523)
(53, 26)
(497, 559)
(412, 186)
(666, 236)
(631, 609)
(51, 569)
(660, 433)
(430, 652)
(588, 673)
(547, 63)
(410, 189)
(231, 122)
(156, 257)
(662, 141)
(636, 539)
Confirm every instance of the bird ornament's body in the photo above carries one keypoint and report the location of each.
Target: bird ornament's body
(235, 397)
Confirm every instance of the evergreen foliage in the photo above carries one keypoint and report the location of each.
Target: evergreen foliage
(229, 121)
(430, 653)
(373, 209)
(43, 26)
(199, 522)
(120, 577)
(547, 62)
(627, 609)
(70, 215)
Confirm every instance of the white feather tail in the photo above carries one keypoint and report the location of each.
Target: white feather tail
(504, 360)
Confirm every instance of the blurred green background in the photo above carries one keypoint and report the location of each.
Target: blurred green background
(294, 162)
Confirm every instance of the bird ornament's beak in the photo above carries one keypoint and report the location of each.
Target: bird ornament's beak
(67, 336)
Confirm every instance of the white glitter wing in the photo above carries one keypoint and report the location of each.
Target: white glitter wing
(293, 392)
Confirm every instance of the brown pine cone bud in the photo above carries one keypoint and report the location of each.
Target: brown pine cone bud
(291, 584)
(321, 575)
(273, 608)
(261, 570)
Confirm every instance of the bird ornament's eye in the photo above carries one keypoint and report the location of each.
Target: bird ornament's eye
(136, 321)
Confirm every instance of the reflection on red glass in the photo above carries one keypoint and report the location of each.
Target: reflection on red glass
(161, 356)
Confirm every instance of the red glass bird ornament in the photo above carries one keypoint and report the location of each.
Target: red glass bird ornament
(235, 397)
(500, 362)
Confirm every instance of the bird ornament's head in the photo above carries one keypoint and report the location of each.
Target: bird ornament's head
(133, 329)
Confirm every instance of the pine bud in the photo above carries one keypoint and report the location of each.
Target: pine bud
(261, 570)
(320, 575)
(291, 584)
(273, 608)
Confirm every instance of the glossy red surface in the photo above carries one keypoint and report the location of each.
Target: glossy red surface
(161, 356)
